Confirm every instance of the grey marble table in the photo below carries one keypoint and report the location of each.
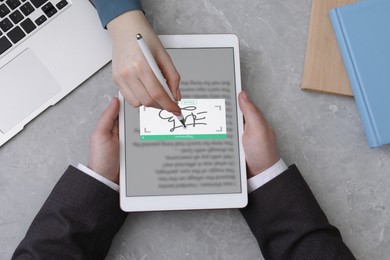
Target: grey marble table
(321, 133)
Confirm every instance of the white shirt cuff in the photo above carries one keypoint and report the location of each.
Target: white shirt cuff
(98, 177)
(262, 178)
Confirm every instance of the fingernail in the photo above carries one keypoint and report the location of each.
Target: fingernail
(176, 113)
(245, 96)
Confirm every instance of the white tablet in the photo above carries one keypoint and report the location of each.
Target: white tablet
(164, 166)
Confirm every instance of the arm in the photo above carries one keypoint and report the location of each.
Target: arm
(109, 10)
(283, 214)
(81, 216)
(78, 221)
(288, 223)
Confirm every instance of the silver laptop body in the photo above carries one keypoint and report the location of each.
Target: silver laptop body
(39, 66)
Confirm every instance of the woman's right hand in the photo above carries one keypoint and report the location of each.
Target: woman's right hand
(132, 73)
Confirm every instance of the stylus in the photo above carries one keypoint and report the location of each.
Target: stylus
(157, 72)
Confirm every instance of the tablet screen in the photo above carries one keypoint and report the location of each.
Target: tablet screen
(196, 163)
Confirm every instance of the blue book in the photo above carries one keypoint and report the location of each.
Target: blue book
(363, 34)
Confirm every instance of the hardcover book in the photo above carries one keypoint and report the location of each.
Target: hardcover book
(363, 35)
(324, 69)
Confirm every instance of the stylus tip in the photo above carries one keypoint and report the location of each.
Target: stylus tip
(139, 36)
(183, 123)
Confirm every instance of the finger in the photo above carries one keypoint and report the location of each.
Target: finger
(178, 94)
(252, 115)
(157, 92)
(126, 92)
(106, 122)
(115, 129)
(169, 72)
(141, 93)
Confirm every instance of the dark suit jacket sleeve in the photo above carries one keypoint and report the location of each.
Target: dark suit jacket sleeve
(78, 221)
(288, 223)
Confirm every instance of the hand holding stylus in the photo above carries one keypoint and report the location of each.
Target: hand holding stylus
(130, 70)
(157, 72)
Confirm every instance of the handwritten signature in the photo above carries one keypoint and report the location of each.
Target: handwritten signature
(190, 120)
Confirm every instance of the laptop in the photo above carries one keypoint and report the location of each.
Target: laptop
(47, 49)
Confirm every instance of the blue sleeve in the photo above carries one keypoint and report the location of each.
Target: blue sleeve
(110, 9)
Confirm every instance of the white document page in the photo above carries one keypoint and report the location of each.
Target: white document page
(204, 119)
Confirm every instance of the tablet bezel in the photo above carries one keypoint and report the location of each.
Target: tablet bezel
(196, 201)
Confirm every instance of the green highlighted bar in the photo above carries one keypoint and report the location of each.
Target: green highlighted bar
(181, 137)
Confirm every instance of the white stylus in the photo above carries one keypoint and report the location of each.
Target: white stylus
(157, 72)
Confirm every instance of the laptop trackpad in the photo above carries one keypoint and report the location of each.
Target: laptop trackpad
(25, 85)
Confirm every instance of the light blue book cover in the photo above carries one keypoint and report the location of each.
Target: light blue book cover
(363, 34)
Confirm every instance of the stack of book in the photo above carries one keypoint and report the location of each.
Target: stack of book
(362, 31)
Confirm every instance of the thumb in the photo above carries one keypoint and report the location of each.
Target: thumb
(252, 115)
(108, 119)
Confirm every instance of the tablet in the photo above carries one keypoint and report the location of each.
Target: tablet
(165, 166)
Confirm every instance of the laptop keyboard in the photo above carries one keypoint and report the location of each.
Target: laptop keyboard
(21, 18)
